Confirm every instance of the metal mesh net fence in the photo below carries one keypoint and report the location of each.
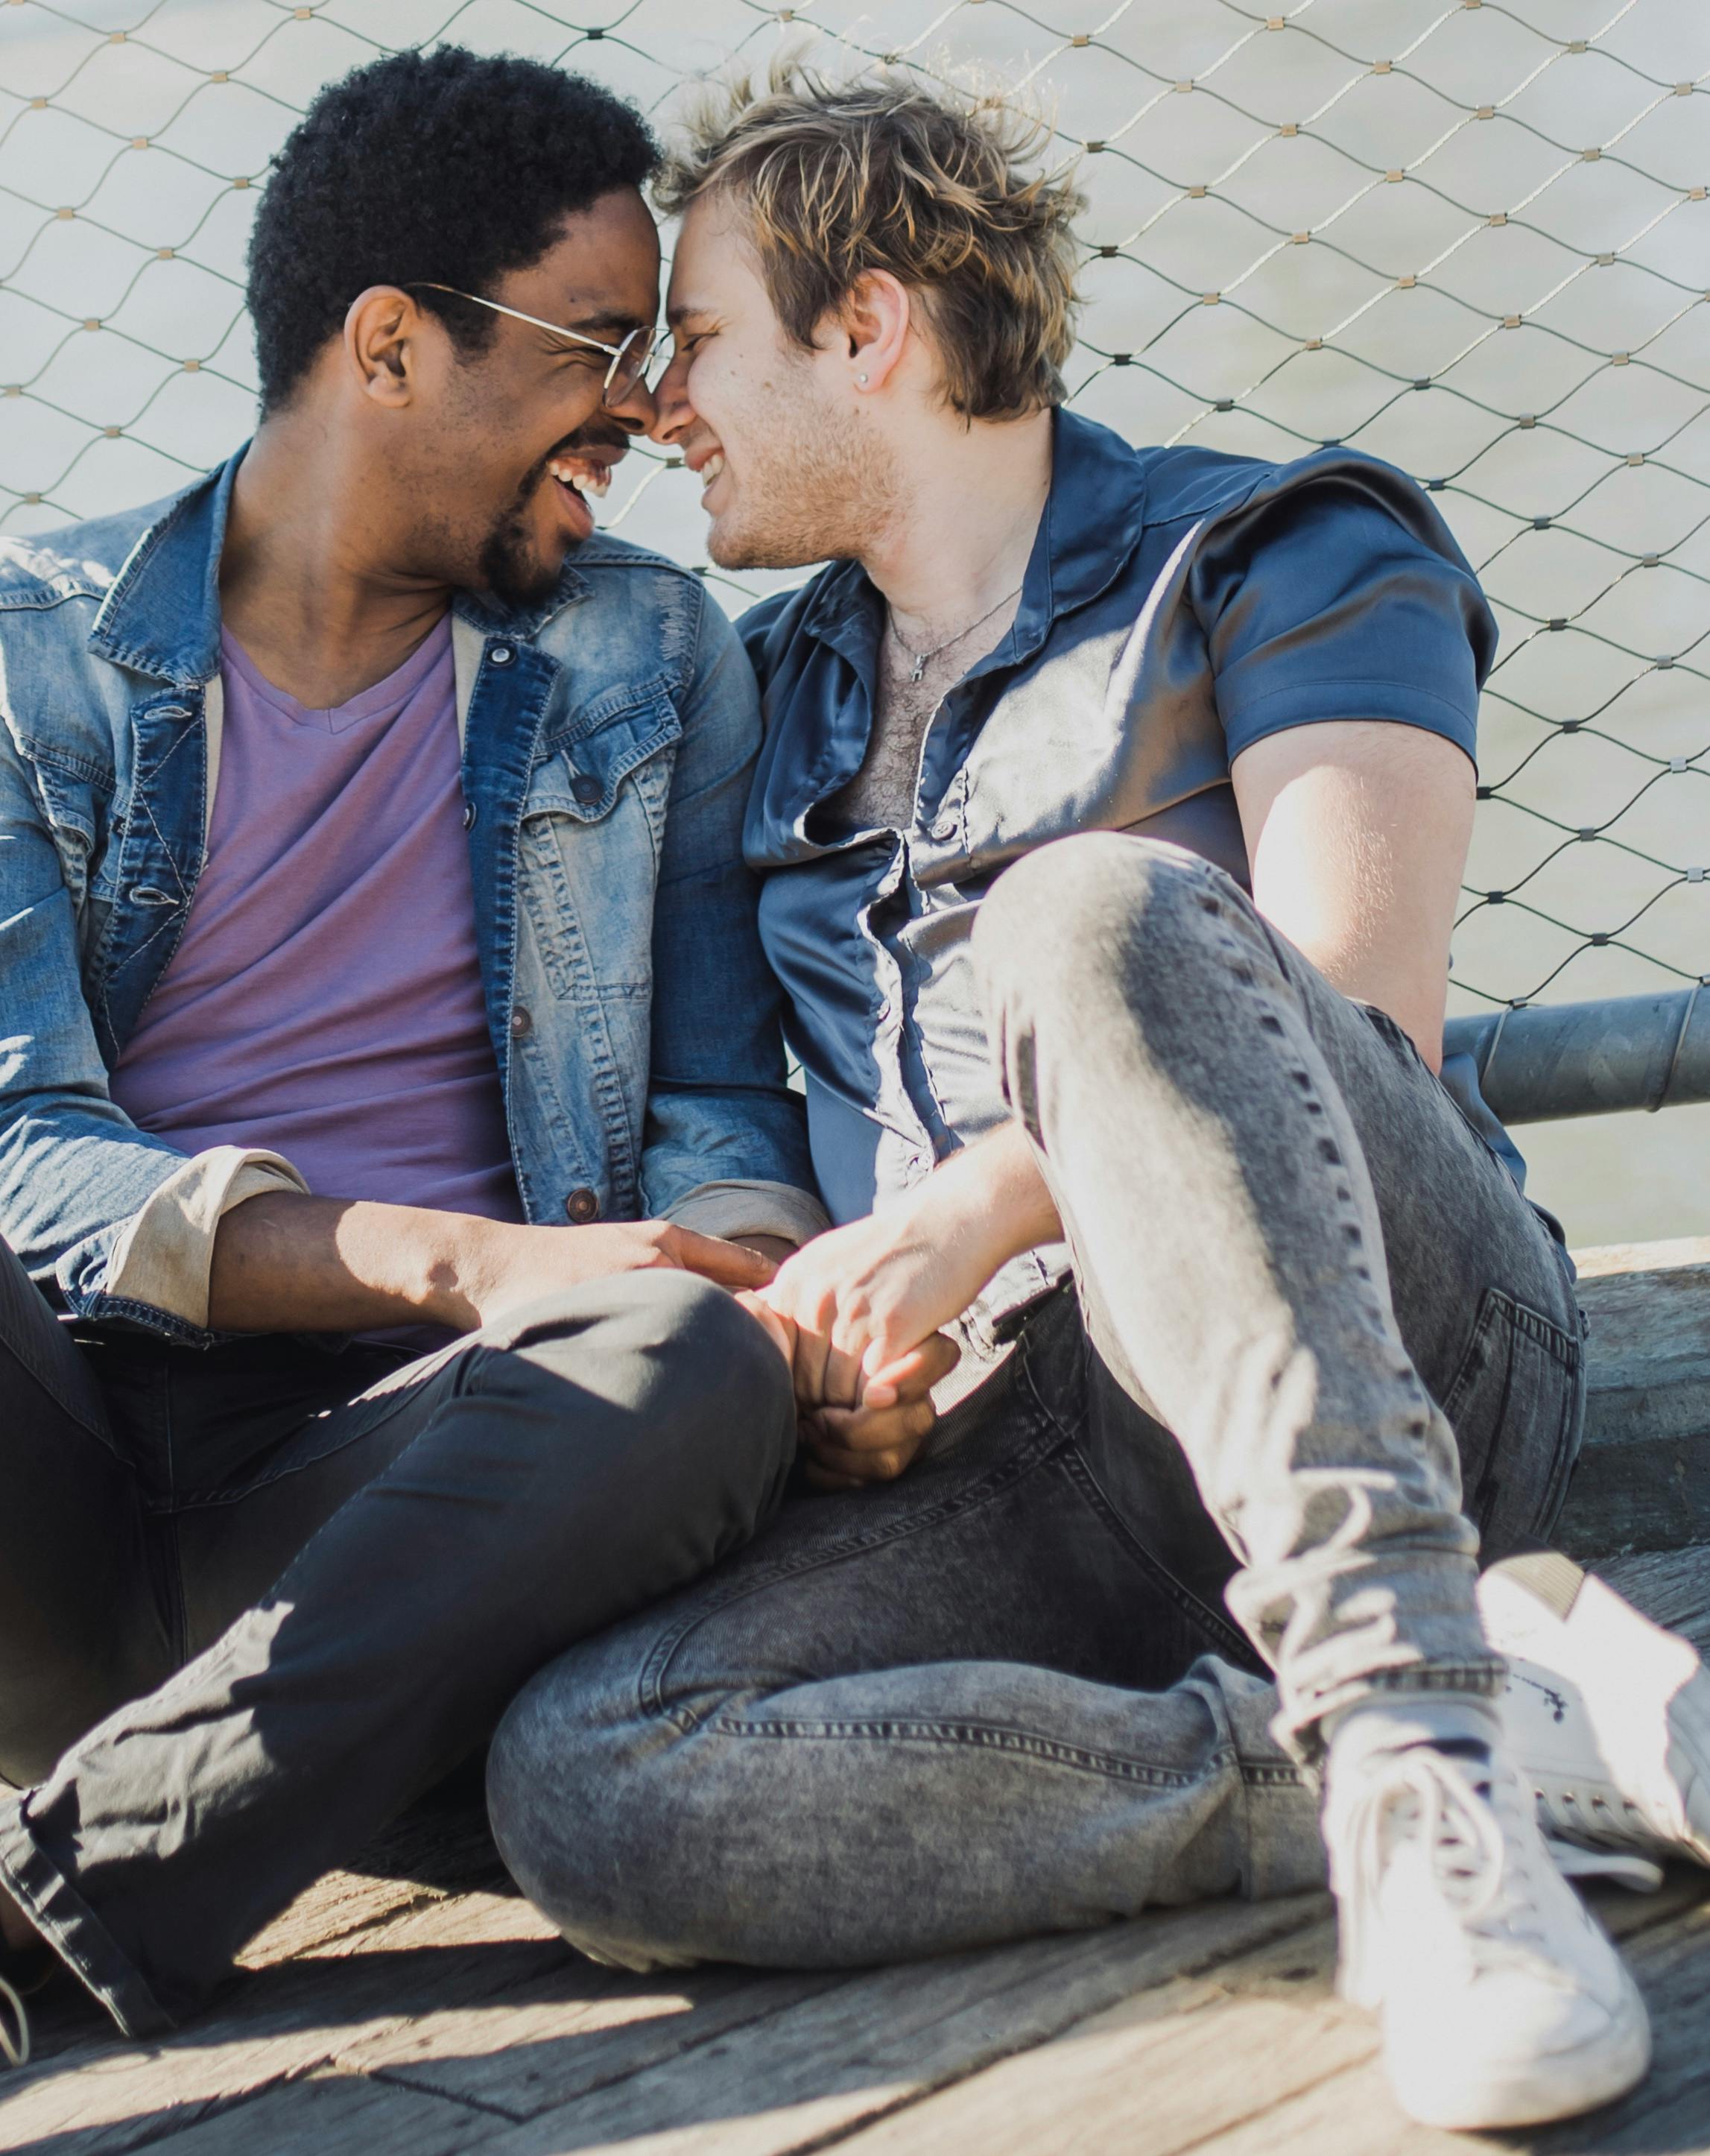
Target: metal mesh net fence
(1471, 237)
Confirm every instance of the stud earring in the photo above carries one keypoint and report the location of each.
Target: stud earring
(862, 379)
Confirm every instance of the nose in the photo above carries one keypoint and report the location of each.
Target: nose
(637, 414)
(674, 413)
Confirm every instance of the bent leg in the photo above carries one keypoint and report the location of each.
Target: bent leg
(945, 1714)
(80, 1627)
(555, 1473)
(1208, 1111)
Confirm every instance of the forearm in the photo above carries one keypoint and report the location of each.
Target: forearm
(985, 1205)
(283, 1263)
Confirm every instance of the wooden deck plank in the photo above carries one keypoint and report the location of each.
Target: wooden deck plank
(818, 2070)
(1156, 2073)
(1643, 1477)
(1352, 2113)
(531, 2051)
(317, 2116)
(280, 2023)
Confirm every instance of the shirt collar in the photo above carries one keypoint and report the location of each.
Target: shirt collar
(161, 615)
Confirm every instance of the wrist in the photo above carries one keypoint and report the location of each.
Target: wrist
(989, 1203)
(949, 1217)
(461, 1268)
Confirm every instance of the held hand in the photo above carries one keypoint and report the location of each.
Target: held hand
(860, 1297)
(847, 1448)
(519, 1264)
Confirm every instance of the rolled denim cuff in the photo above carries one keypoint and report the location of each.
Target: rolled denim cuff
(164, 1257)
(72, 1929)
(750, 1208)
(1299, 1726)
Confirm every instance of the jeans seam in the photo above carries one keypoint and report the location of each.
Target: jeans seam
(996, 1483)
(1488, 1678)
(982, 1736)
(1221, 1634)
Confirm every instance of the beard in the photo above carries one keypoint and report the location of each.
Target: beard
(814, 487)
(509, 562)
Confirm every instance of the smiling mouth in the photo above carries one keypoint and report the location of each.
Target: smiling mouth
(582, 475)
(711, 469)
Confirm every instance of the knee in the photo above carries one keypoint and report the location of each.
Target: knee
(1063, 921)
(698, 1401)
(568, 1802)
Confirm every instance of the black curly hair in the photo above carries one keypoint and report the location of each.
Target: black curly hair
(451, 166)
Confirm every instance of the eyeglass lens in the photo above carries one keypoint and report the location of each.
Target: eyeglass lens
(629, 366)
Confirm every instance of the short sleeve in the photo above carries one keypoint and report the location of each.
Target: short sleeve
(1335, 591)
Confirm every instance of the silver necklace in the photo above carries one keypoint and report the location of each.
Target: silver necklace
(919, 659)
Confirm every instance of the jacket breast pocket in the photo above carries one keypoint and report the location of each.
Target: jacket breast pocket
(593, 824)
(77, 809)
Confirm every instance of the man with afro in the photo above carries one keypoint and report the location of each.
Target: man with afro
(393, 1095)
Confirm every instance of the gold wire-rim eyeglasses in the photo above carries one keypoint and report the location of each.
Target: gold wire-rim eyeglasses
(629, 360)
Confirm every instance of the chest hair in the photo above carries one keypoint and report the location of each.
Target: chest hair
(881, 795)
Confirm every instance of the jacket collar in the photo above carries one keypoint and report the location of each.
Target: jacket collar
(161, 615)
(1095, 517)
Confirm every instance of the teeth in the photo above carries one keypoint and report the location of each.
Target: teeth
(594, 479)
(711, 469)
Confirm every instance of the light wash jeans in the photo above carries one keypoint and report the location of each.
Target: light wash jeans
(1002, 1695)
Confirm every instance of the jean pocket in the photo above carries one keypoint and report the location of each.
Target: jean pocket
(1516, 1404)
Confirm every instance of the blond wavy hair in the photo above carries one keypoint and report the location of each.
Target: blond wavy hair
(835, 179)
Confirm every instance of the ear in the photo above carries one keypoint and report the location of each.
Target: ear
(382, 327)
(874, 330)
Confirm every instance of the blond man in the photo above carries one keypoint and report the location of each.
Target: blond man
(1113, 808)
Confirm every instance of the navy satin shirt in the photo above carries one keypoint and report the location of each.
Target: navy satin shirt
(1179, 605)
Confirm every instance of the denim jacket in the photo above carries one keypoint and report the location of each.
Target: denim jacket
(608, 738)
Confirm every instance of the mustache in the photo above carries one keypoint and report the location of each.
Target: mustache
(593, 437)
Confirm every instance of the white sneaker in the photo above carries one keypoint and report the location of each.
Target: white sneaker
(1503, 2003)
(1607, 1715)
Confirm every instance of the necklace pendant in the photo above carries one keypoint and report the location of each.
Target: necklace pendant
(918, 673)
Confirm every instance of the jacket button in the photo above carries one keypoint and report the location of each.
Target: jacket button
(469, 815)
(581, 1206)
(521, 1023)
(944, 832)
(501, 655)
(586, 790)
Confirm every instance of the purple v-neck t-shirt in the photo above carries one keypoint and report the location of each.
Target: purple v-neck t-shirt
(324, 1001)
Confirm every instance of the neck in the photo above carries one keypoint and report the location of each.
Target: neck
(964, 521)
(304, 587)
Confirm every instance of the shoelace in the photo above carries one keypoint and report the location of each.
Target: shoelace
(1473, 1858)
(16, 2048)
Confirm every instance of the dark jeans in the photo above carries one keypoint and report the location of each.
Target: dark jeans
(253, 1600)
(1315, 1319)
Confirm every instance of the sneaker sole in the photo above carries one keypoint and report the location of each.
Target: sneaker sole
(1559, 1585)
(1536, 2093)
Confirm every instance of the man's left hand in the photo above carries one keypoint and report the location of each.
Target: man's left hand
(847, 1448)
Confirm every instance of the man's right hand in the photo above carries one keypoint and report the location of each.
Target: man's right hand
(285, 1263)
(517, 1264)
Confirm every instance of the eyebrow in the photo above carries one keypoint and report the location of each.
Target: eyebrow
(686, 313)
(609, 324)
